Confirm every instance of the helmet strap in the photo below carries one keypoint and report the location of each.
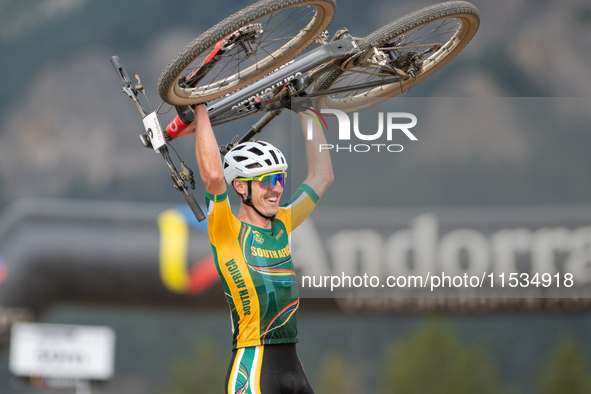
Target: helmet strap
(248, 201)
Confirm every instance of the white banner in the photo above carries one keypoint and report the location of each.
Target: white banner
(63, 351)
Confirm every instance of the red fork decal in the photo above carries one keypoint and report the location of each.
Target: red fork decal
(177, 128)
(216, 49)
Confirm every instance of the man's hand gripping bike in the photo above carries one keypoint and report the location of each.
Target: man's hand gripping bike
(247, 65)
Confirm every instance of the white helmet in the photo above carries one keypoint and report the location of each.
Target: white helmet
(238, 162)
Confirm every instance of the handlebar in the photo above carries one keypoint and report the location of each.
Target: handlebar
(116, 62)
(127, 86)
(156, 138)
(194, 206)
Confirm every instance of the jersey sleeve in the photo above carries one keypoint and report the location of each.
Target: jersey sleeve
(297, 209)
(221, 222)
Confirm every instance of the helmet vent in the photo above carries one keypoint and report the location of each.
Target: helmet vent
(268, 162)
(240, 158)
(274, 157)
(256, 151)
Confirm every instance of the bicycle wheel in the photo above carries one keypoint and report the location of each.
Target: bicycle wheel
(411, 48)
(245, 47)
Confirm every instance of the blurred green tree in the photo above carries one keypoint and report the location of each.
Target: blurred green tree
(337, 376)
(432, 360)
(566, 371)
(204, 372)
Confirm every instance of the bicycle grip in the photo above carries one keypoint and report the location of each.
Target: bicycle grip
(116, 62)
(194, 206)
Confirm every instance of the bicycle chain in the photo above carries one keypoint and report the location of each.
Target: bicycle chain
(409, 46)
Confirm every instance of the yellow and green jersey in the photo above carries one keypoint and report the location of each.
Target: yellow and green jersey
(256, 269)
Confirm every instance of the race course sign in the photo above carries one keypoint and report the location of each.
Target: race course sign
(62, 351)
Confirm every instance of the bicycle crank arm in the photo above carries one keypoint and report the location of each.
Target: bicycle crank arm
(254, 130)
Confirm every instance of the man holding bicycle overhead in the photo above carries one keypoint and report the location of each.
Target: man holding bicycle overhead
(253, 256)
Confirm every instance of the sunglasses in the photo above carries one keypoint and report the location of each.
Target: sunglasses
(268, 181)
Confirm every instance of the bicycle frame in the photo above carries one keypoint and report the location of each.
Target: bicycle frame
(232, 106)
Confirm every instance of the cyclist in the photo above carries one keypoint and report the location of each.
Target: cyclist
(253, 256)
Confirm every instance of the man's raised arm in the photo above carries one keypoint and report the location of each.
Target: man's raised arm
(320, 174)
(208, 153)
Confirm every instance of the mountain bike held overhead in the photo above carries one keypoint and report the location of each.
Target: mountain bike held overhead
(246, 65)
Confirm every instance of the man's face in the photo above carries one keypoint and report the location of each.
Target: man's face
(265, 200)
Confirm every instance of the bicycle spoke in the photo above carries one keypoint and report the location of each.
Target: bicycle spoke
(355, 76)
(437, 33)
(432, 31)
(282, 31)
(427, 33)
(220, 72)
(408, 50)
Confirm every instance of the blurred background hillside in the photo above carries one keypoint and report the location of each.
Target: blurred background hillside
(67, 131)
